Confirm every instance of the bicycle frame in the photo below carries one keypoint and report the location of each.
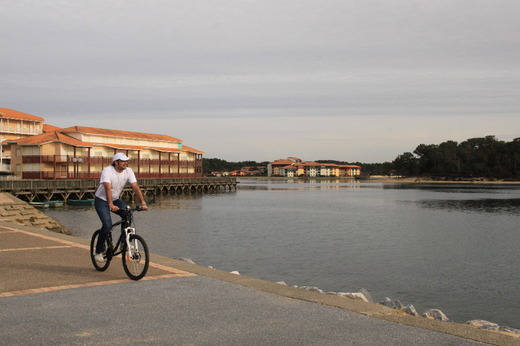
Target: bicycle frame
(126, 230)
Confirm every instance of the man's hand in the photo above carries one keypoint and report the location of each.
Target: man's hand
(143, 207)
(113, 208)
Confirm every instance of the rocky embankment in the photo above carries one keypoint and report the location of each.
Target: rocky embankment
(434, 314)
(17, 211)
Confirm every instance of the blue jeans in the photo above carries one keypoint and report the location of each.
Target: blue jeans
(106, 220)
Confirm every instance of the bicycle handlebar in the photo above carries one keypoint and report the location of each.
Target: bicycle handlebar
(136, 208)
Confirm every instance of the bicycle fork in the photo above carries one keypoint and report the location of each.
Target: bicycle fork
(129, 253)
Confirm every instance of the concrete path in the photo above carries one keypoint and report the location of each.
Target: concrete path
(51, 294)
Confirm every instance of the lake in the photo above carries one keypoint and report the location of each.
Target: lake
(453, 247)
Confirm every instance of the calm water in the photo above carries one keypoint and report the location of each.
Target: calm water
(454, 248)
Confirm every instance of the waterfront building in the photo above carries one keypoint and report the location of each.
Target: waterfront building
(80, 152)
(295, 167)
(13, 125)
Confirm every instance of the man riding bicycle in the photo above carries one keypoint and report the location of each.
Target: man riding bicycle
(112, 182)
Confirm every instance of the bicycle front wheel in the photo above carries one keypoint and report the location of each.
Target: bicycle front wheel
(135, 259)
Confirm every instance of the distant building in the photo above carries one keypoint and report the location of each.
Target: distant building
(295, 167)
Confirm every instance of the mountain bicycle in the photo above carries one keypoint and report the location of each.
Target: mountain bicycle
(131, 247)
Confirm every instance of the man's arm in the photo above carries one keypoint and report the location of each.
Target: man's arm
(139, 194)
(108, 192)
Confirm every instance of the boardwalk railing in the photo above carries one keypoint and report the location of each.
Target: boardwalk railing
(85, 188)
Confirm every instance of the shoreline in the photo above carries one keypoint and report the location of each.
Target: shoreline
(386, 179)
(421, 180)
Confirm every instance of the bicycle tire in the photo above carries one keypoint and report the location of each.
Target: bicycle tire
(100, 266)
(136, 264)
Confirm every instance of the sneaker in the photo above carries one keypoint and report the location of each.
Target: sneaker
(99, 257)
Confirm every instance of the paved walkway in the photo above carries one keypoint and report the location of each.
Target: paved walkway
(51, 294)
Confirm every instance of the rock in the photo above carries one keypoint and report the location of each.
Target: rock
(483, 324)
(356, 295)
(17, 211)
(312, 289)
(235, 272)
(186, 260)
(435, 314)
(509, 330)
(367, 295)
(410, 310)
(394, 304)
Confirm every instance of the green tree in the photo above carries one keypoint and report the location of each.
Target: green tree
(406, 164)
(475, 157)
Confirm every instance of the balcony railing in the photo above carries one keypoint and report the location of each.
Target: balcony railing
(96, 175)
(73, 167)
(105, 160)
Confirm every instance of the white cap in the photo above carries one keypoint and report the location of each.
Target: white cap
(120, 156)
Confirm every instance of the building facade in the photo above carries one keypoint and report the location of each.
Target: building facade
(80, 152)
(13, 125)
(295, 167)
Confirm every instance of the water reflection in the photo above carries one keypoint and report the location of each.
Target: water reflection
(298, 184)
(296, 180)
(455, 188)
(300, 188)
(494, 206)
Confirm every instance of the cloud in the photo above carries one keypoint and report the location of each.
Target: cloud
(216, 65)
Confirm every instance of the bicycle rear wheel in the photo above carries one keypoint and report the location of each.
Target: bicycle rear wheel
(101, 266)
(135, 260)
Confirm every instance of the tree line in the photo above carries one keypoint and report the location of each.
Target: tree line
(485, 157)
(219, 165)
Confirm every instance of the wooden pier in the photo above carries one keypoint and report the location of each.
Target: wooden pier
(47, 190)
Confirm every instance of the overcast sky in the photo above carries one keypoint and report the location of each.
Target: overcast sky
(261, 80)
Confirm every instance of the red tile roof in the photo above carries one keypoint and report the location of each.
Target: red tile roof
(191, 150)
(119, 133)
(282, 162)
(144, 147)
(58, 136)
(49, 137)
(50, 128)
(12, 114)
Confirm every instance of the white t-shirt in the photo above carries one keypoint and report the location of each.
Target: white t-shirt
(117, 181)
